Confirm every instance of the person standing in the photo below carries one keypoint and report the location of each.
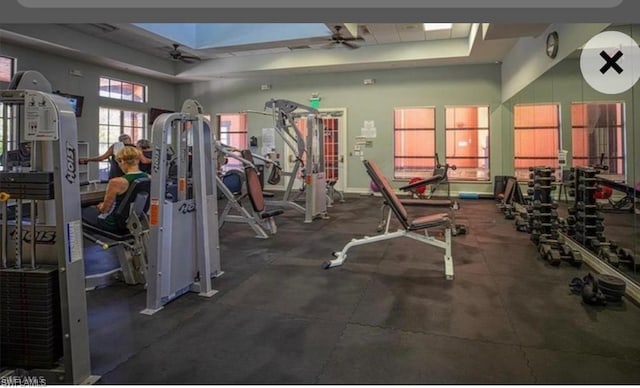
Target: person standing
(145, 148)
(124, 140)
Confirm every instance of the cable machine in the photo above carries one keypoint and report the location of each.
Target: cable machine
(43, 308)
(308, 153)
(184, 249)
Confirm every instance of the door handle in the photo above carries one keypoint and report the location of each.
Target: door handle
(341, 158)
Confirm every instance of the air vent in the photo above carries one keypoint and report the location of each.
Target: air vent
(304, 47)
(92, 28)
(104, 27)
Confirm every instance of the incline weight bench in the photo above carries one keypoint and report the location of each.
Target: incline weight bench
(131, 243)
(625, 204)
(415, 188)
(415, 228)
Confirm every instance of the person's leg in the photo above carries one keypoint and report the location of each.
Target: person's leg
(90, 216)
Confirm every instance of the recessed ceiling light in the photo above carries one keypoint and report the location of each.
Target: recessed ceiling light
(437, 26)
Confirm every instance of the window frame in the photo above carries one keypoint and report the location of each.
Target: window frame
(558, 128)
(401, 174)
(120, 96)
(128, 129)
(621, 159)
(452, 176)
(242, 133)
(13, 62)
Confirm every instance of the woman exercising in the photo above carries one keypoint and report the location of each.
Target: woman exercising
(101, 215)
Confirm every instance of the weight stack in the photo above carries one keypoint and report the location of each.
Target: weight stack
(30, 322)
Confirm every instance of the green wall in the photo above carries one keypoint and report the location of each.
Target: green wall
(56, 69)
(433, 86)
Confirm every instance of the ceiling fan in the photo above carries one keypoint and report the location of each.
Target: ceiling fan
(178, 55)
(337, 39)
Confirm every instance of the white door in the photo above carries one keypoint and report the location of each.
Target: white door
(334, 123)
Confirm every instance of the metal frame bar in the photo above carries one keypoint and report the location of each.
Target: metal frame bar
(632, 289)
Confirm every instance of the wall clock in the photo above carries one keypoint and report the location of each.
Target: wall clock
(552, 44)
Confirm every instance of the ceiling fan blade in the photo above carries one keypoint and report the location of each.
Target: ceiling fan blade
(328, 46)
(350, 45)
(190, 58)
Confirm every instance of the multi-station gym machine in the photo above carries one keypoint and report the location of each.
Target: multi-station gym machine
(43, 308)
(184, 249)
(308, 154)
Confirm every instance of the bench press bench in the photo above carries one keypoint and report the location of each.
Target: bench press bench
(416, 228)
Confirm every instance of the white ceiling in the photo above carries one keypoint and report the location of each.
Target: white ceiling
(131, 48)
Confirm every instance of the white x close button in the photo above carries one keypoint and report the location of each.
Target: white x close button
(610, 62)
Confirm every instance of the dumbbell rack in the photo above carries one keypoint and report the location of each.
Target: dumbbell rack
(585, 224)
(543, 218)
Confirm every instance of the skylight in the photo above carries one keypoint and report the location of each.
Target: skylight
(437, 26)
(208, 35)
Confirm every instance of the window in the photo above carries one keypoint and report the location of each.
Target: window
(536, 131)
(597, 135)
(414, 142)
(233, 132)
(122, 90)
(467, 138)
(113, 123)
(10, 140)
(7, 68)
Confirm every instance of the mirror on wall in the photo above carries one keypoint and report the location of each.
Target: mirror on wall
(589, 140)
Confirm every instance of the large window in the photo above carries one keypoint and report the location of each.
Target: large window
(414, 142)
(233, 132)
(467, 138)
(113, 123)
(122, 90)
(10, 140)
(537, 130)
(7, 68)
(597, 135)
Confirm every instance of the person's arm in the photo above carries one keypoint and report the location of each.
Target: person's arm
(100, 158)
(115, 187)
(144, 159)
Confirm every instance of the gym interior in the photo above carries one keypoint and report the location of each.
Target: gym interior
(351, 204)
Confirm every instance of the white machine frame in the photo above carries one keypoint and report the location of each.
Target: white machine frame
(411, 228)
(48, 121)
(184, 248)
(309, 156)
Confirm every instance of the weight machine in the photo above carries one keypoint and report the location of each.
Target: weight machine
(308, 155)
(259, 220)
(43, 310)
(184, 249)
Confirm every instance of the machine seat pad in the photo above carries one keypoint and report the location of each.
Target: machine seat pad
(429, 221)
(426, 181)
(111, 235)
(271, 213)
(427, 202)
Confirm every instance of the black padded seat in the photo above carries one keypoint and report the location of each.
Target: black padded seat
(254, 189)
(137, 195)
(111, 235)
